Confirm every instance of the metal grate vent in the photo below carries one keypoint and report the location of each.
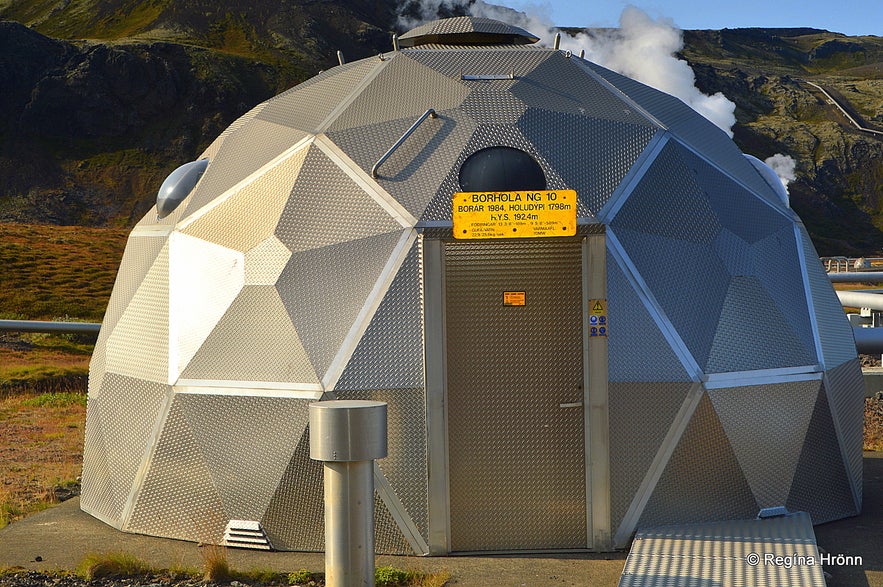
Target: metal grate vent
(246, 534)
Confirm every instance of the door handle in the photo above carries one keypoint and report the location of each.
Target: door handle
(571, 405)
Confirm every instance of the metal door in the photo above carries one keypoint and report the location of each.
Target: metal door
(514, 350)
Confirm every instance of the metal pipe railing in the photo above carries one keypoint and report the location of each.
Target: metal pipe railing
(860, 299)
(428, 114)
(50, 327)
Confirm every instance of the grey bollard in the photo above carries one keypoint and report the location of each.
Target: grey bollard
(347, 435)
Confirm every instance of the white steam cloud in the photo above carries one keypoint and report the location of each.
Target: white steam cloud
(784, 167)
(641, 48)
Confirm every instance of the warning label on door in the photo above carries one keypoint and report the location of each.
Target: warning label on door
(598, 317)
(514, 214)
(513, 298)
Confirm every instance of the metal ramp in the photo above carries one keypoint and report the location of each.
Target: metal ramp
(779, 551)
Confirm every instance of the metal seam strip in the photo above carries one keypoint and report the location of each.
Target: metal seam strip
(146, 459)
(657, 467)
(763, 377)
(351, 97)
(152, 230)
(363, 320)
(249, 392)
(399, 513)
(634, 175)
(364, 181)
(804, 273)
(841, 444)
(621, 95)
(669, 332)
(244, 182)
(219, 384)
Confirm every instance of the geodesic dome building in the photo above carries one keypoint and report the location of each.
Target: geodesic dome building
(679, 355)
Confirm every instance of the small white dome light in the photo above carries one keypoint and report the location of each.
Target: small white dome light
(178, 186)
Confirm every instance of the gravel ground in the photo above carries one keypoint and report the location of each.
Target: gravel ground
(36, 579)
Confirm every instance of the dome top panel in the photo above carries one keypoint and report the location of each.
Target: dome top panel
(467, 30)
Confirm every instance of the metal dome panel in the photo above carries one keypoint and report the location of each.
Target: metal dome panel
(843, 385)
(254, 341)
(466, 30)
(326, 206)
(265, 262)
(752, 418)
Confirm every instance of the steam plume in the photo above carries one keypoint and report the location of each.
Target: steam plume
(784, 167)
(641, 48)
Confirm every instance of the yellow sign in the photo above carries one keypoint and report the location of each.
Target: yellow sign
(513, 298)
(521, 214)
(598, 317)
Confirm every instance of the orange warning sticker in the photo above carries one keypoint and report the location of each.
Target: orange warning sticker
(513, 298)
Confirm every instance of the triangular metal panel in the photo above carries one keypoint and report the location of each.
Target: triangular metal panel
(687, 279)
(139, 344)
(846, 394)
(766, 425)
(564, 84)
(640, 416)
(254, 341)
(99, 494)
(482, 61)
(325, 289)
(404, 88)
(834, 330)
(736, 254)
(265, 262)
(591, 155)
(178, 498)
(753, 334)
(637, 348)
(702, 480)
(415, 170)
(390, 353)
(295, 518)
(244, 152)
(388, 537)
(231, 431)
(326, 206)
(491, 135)
(140, 254)
(694, 130)
(494, 106)
(204, 279)
(248, 216)
(669, 202)
(821, 484)
(307, 105)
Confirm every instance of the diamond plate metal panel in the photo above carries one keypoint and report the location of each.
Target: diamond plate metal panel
(177, 498)
(736, 255)
(415, 89)
(295, 518)
(591, 155)
(640, 415)
(254, 341)
(703, 480)
(834, 330)
(581, 95)
(497, 106)
(390, 353)
(314, 217)
(846, 393)
(406, 466)
(324, 289)
(687, 279)
(669, 202)
(265, 262)
(491, 136)
(821, 485)
(388, 538)
(224, 426)
(637, 349)
(124, 435)
(509, 369)
(739, 210)
(472, 61)
(204, 279)
(694, 130)
(777, 265)
(249, 215)
(413, 173)
(139, 344)
(140, 254)
(766, 425)
(753, 334)
(307, 105)
(244, 151)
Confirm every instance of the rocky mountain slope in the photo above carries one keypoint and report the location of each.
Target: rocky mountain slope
(101, 99)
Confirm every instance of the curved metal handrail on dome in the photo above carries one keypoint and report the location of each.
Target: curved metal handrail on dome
(428, 114)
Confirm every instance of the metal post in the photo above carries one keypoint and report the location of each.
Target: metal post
(347, 435)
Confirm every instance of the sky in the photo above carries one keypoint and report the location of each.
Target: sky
(851, 17)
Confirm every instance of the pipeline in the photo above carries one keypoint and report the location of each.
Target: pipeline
(50, 327)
